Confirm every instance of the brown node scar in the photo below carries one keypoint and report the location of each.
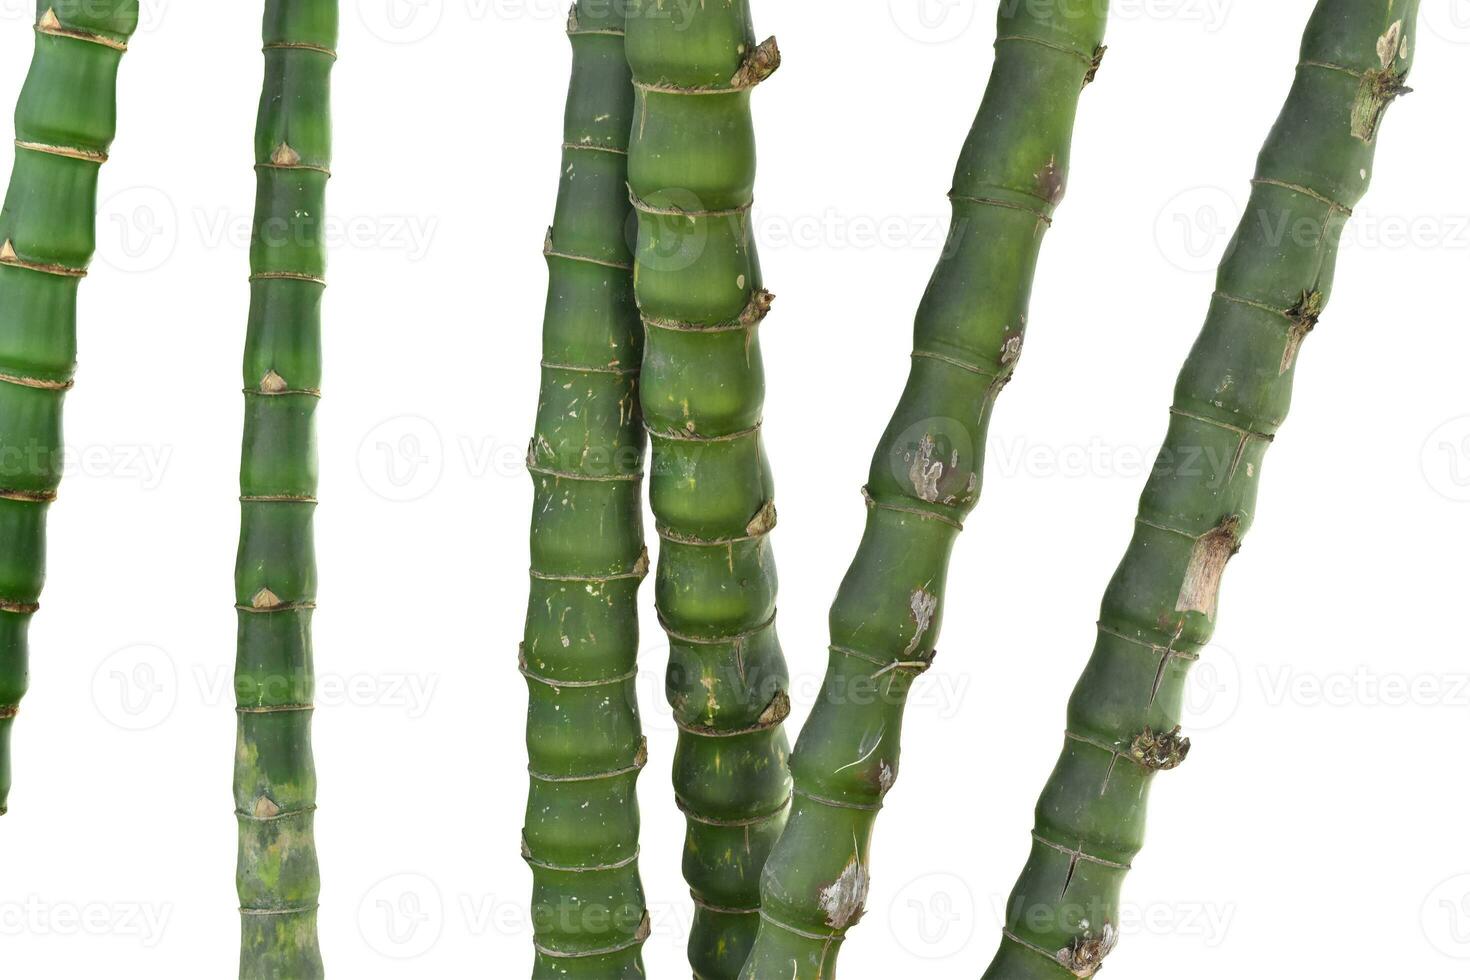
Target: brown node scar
(759, 65)
(1084, 957)
(1160, 752)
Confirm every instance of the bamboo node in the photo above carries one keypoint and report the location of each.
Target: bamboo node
(1160, 752)
(9, 256)
(51, 25)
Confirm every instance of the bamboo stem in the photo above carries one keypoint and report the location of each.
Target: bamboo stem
(1123, 721)
(277, 874)
(579, 655)
(691, 175)
(925, 479)
(65, 121)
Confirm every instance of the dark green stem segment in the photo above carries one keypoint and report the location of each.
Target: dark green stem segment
(692, 175)
(925, 478)
(64, 124)
(579, 656)
(1232, 396)
(275, 573)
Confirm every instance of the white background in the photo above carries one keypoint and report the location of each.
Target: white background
(1318, 826)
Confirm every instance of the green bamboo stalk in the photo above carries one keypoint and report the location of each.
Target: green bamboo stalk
(579, 656)
(1123, 722)
(64, 124)
(925, 478)
(275, 574)
(691, 174)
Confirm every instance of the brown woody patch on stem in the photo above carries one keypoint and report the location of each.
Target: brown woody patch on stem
(285, 156)
(1097, 60)
(764, 520)
(759, 65)
(843, 900)
(1304, 317)
(1084, 957)
(760, 304)
(1160, 752)
(777, 711)
(1379, 88)
(1212, 551)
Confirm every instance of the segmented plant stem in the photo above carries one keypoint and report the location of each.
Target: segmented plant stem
(579, 656)
(65, 120)
(1232, 397)
(692, 174)
(925, 479)
(275, 574)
